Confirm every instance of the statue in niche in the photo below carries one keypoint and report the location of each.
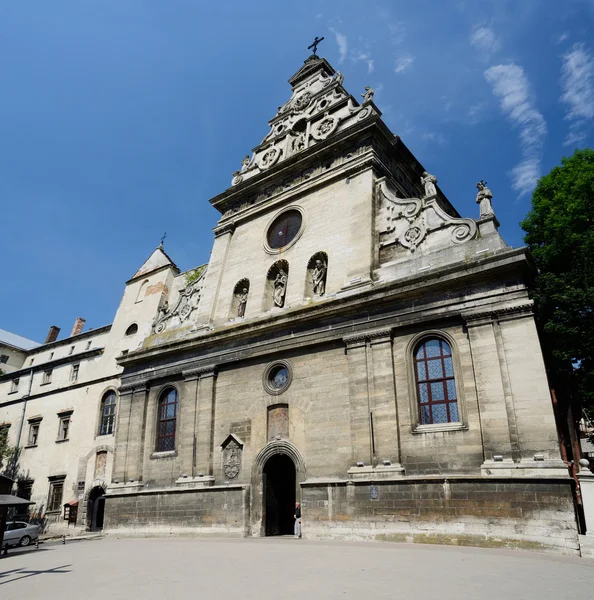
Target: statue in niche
(318, 276)
(483, 199)
(280, 288)
(242, 302)
(245, 163)
(368, 95)
(429, 182)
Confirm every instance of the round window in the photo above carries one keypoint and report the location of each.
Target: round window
(277, 377)
(284, 229)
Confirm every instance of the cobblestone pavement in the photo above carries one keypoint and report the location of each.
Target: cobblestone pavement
(285, 568)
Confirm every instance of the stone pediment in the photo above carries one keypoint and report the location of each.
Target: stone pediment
(318, 108)
(418, 223)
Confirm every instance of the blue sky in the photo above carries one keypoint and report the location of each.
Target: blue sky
(120, 119)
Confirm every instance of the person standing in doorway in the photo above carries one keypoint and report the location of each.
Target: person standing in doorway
(297, 520)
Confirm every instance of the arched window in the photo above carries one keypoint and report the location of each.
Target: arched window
(142, 291)
(436, 385)
(132, 329)
(108, 410)
(167, 419)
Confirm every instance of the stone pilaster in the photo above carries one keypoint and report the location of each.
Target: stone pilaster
(489, 388)
(136, 439)
(205, 419)
(356, 349)
(186, 442)
(122, 433)
(383, 400)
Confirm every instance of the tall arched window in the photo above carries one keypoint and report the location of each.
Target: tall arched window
(436, 385)
(167, 419)
(108, 410)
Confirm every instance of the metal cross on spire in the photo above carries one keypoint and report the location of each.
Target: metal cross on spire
(315, 44)
(163, 238)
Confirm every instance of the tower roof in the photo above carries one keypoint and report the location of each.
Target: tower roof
(157, 260)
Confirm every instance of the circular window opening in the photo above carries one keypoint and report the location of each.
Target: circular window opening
(284, 229)
(277, 377)
(132, 329)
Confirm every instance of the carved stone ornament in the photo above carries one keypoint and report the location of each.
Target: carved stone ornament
(237, 179)
(232, 454)
(325, 127)
(269, 158)
(409, 221)
(188, 301)
(301, 102)
(298, 143)
(483, 199)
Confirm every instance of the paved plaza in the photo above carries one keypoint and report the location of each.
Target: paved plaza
(286, 568)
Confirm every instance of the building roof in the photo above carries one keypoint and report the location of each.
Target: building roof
(157, 260)
(16, 341)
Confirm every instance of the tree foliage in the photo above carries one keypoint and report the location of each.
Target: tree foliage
(5, 450)
(560, 234)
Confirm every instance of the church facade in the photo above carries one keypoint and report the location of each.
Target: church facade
(353, 344)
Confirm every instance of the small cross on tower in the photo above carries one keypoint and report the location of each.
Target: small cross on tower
(315, 44)
(163, 239)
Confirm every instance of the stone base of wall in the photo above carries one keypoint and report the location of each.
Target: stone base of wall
(214, 511)
(529, 514)
(532, 514)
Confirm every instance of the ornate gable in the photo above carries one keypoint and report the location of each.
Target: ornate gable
(318, 108)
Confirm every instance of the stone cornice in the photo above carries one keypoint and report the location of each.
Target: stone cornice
(487, 316)
(200, 372)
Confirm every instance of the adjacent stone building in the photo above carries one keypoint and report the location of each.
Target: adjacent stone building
(353, 343)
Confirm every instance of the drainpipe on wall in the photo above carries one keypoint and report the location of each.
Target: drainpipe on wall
(25, 397)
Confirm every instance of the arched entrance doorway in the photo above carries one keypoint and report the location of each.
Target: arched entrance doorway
(96, 509)
(279, 495)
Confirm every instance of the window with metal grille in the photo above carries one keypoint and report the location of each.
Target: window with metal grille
(64, 428)
(3, 358)
(436, 385)
(47, 376)
(108, 411)
(56, 491)
(167, 418)
(33, 434)
(74, 372)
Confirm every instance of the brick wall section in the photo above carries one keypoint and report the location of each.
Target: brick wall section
(206, 511)
(536, 514)
(157, 288)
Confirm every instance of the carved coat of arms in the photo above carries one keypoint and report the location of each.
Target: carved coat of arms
(232, 459)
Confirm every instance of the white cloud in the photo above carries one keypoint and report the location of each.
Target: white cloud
(366, 58)
(397, 32)
(511, 87)
(564, 36)
(438, 138)
(484, 40)
(577, 82)
(342, 42)
(475, 111)
(403, 63)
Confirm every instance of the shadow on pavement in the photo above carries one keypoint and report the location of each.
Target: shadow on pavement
(16, 574)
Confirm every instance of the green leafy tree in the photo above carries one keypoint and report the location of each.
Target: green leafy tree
(560, 234)
(5, 450)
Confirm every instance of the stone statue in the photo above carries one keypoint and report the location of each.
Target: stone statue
(245, 163)
(483, 199)
(368, 95)
(162, 311)
(280, 288)
(429, 182)
(318, 275)
(339, 78)
(241, 302)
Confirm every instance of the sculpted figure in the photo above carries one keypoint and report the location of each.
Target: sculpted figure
(429, 182)
(318, 275)
(280, 288)
(368, 95)
(483, 199)
(245, 163)
(339, 77)
(241, 302)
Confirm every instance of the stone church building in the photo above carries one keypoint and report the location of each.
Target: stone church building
(353, 343)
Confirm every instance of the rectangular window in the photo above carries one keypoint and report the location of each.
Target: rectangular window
(14, 386)
(51, 355)
(64, 428)
(31, 361)
(89, 344)
(56, 491)
(74, 373)
(3, 358)
(47, 376)
(33, 433)
(71, 350)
